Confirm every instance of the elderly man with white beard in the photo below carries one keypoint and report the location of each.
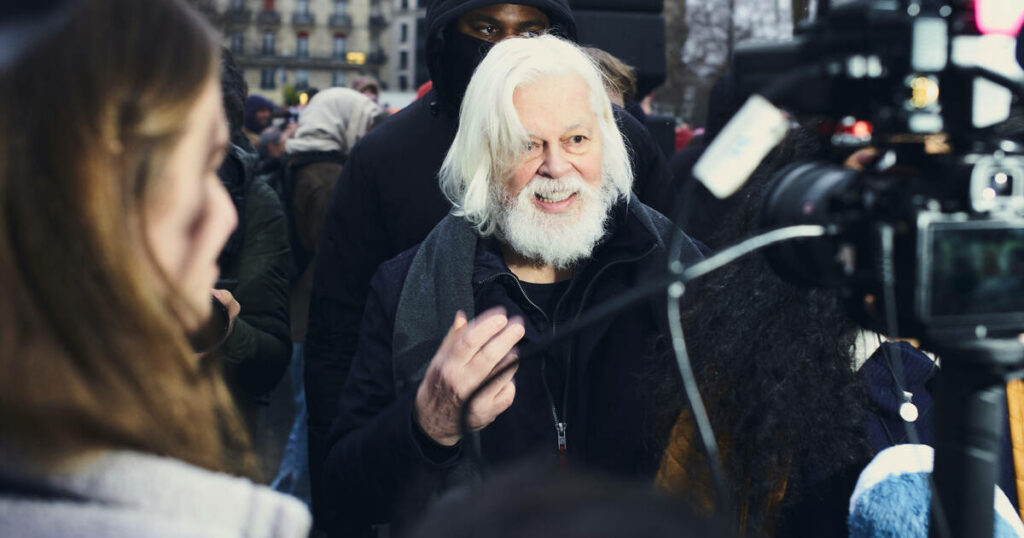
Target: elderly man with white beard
(544, 228)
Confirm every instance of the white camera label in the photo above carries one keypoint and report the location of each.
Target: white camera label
(744, 142)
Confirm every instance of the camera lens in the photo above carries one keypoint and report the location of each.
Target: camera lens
(1001, 184)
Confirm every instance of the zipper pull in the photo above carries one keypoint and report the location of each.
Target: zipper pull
(562, 450)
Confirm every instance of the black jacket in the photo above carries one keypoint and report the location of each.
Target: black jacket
(387, 200)
(381, 468)
(257, 265)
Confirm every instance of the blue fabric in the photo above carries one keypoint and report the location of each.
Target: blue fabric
(898, 507)
(293, 475)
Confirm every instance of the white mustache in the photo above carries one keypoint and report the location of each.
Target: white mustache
(550, 188)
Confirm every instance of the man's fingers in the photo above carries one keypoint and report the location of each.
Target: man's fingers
(501, 376)
(457, 324)
(460, 320)
(504, 398)
(483, 363)
(478, 332)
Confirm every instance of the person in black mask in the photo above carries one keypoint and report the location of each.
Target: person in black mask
(387, 198)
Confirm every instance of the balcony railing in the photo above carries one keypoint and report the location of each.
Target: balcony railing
(303, 18)
(378, 21)
(253, 57)
(269, 18)
(238, 15)
(341, 22)
(379, 57)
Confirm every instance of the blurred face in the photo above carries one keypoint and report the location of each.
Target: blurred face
(555, 202)
(371, 94)
(501, 21)
(189, 215)
(262, 116)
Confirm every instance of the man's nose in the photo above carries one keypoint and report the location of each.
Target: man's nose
(555, 164)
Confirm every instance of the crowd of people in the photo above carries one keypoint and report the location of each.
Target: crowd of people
(221, 319)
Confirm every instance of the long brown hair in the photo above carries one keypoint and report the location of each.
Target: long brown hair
(92, 354)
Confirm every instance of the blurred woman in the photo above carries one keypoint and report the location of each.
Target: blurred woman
(111, 220)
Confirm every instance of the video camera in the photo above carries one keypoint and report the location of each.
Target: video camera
(928, 240)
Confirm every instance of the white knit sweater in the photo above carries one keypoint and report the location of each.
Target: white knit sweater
(133, 494)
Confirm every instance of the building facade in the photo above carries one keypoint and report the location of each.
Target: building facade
(406, 68)
(305, 43)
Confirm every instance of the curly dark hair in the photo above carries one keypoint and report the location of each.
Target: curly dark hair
(775, 365)
(234, 89)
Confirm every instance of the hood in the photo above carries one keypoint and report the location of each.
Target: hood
(334, 120)
(441, 13)
(252, 104)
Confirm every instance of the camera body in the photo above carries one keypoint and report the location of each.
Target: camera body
(928, 240)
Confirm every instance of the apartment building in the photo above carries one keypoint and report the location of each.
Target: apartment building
(304, 43)
(406, 69)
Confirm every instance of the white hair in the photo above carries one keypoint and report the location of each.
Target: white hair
(491, 138)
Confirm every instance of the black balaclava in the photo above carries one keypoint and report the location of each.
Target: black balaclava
(463, 54)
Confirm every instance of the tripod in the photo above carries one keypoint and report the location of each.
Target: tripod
(970, 412)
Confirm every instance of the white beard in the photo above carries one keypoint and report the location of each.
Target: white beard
(559, 240)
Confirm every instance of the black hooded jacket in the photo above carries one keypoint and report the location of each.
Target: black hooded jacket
(387, 200)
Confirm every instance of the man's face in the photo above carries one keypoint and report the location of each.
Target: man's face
(501, 21)
(554, 203)
(262, 116)
(278, 149)
(565, 141)
(371, 94)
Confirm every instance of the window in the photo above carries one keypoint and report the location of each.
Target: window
(238, 42)
(339, 46)
(405, 4)
(302, 45)
(267, 78)
(405, 33)
(403, 83)
(340, 7)
(302, 7)
(268, 43)
(301, 79)
(338, 78)
(403, 59)
(237, 4)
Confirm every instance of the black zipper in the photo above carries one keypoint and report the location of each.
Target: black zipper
(560, 425)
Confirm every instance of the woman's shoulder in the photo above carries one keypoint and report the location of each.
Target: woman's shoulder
(133, 494)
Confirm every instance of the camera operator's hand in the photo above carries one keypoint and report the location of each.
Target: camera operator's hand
(860, 159)
(229, 302)
(470, 353)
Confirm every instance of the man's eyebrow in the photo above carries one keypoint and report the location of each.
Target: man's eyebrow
(532, 22)
(480, 17)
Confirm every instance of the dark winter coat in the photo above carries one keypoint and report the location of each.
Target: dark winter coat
(257, 352)
(388, 199)
(311, 177)
(379, 459)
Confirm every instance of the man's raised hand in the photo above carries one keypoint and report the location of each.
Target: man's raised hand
(470, 353)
